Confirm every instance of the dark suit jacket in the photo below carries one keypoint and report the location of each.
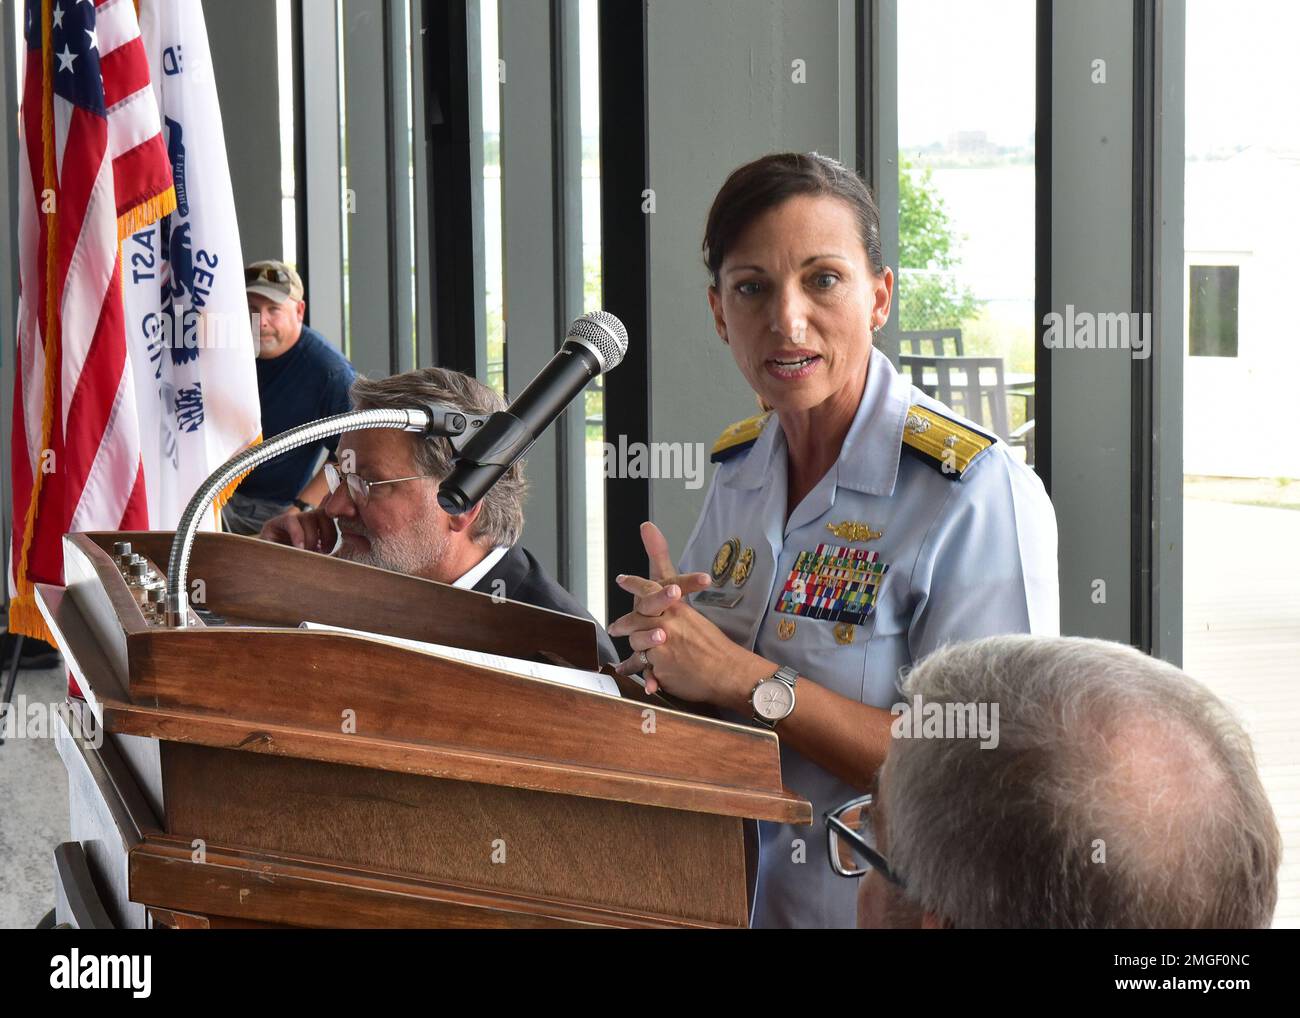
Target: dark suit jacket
(525, 580)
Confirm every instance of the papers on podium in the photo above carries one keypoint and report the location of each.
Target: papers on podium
(593, 682)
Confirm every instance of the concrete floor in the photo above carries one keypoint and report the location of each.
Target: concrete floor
(33, 810)
(1241, 637)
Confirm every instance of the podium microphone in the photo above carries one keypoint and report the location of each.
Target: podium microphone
(594, 344)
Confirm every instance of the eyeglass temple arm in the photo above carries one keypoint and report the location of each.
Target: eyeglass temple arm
(873, 857)
(432, 420)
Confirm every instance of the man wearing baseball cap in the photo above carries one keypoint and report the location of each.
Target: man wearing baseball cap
(300, 378)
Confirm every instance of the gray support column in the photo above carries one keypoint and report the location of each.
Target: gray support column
(722, 91)
(423, 254)
(1167, 441)
(365, 203)
(245, 60)
(376, 203)
(320, 196)
(401, 199)
(475, 143)
(529, 227)
(1091, 258)
(571, 428)
(8, 270)
(878, 134)
(849, 41)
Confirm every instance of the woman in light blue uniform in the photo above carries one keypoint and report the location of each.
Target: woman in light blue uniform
(848, 531)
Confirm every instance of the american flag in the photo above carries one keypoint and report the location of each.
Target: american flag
(96, 170)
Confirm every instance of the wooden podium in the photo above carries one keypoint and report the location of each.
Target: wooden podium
(255, 773)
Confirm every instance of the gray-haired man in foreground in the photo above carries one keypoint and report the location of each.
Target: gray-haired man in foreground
(1120, 793)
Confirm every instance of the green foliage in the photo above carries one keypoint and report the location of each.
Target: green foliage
(496, 350)
(929, 296)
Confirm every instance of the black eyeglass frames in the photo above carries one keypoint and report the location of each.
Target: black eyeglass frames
(849, 841)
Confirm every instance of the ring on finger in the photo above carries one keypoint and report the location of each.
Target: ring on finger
(645, 661)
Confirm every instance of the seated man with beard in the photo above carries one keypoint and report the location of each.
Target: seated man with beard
(383, 509)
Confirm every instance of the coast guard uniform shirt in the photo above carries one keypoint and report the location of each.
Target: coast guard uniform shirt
(926, 531)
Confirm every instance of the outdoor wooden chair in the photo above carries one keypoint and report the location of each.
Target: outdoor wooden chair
(939, 340)
(974, 387)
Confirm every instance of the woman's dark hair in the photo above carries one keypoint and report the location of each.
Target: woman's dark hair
(765, 183)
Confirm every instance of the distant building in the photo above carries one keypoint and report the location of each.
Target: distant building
(971, 144)
(1241, 315)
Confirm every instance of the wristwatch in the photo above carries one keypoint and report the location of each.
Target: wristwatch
(773, 698)
(304, 507)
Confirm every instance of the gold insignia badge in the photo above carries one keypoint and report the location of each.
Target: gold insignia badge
(744, 566)
(851, 530)
(725, 559)
(785, 629)
(844, 633)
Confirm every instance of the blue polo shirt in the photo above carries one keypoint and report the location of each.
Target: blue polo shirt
(309, 382)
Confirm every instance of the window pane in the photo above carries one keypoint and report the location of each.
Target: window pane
(1241, 483)
(344, 221)
(494, 304)
(592, 299)
(1212, 310)
(965, 290)
(285, 82)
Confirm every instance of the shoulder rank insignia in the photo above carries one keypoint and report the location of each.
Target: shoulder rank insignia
(738, 437)
(945, 444)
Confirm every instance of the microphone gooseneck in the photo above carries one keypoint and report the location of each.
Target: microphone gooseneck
(432, 419)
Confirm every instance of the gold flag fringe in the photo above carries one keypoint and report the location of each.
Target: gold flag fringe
(24, 616)
(223, 496)
(146, 213)
(25, 619)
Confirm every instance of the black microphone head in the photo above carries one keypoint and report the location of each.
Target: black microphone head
(453, 501)
(602, 334)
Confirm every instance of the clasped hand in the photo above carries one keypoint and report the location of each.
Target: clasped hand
(688, 656)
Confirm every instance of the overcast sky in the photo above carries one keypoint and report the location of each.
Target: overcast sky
(969, 65)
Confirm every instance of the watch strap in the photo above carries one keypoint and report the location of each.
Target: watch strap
(784, 674)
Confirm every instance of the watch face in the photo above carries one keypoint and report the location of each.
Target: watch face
(773, 700)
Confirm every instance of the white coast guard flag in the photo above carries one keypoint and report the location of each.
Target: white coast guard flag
(187, 318)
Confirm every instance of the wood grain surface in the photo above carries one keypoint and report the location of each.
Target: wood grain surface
(335, 780)
(567, 848)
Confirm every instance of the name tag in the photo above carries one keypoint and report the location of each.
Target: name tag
(717, 599)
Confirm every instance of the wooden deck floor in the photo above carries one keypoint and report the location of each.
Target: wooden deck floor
(1241, 632)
